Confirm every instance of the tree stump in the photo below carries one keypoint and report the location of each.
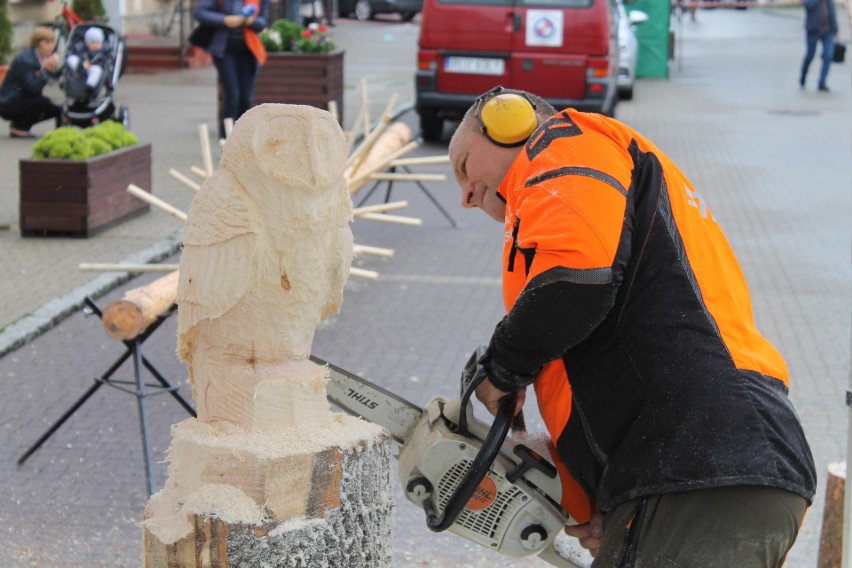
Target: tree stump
(831, 540)
(267, 475)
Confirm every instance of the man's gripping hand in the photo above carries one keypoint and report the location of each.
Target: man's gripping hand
(589, 534)
(490, 396)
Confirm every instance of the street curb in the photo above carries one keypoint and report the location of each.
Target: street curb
(50, 314)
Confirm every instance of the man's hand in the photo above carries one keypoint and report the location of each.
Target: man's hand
(489, 396)
(589, 534)
(234, 21)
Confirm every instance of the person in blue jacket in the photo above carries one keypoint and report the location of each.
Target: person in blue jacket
(236, 49)
(820, 26)
(21, 100)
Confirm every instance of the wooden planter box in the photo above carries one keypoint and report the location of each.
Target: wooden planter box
(312, 79)
(79, 198)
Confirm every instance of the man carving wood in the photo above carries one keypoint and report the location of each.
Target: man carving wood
(263, 474)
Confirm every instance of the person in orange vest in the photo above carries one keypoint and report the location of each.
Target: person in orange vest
(236, 50)
(628, 313)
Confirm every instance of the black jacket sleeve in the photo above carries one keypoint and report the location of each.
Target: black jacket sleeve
(556, 310)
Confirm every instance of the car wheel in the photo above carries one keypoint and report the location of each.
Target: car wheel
(625, 94)
(407, 16)
(431, 126)
(363, 10)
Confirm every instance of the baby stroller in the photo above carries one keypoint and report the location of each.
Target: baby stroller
(84, 104)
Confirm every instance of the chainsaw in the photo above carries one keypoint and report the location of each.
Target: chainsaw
(473, 480)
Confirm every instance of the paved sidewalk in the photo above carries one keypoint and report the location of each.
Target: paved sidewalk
(771, 160)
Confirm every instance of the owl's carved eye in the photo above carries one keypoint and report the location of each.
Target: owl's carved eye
(285, 282)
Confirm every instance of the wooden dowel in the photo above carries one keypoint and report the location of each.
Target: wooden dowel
(360, 154)
(184, 180)
(332, 108)
(396, 219)
(156, 201)
(206, 156)
(139, 308)
(120, 267)
(352, 135)
(376, 251)
(359, 179)
(408, 177)
(421, 161)
(366, 101)
(393, 205)
(361, 273)
(199, 172)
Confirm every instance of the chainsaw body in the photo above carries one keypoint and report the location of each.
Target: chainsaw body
(514, 509)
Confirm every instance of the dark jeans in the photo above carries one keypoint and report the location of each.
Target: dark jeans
(728, 527)
(827, 40)
(237, 71)
(24, 112)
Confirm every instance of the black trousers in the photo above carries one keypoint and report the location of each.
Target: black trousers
(24, 112)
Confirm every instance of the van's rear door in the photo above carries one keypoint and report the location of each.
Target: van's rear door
(552, 44)
(473, 39)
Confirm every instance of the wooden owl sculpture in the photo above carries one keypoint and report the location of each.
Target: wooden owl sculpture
(267, 250)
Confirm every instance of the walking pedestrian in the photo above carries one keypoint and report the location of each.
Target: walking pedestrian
(236, 49)
(820, 26)
(628, 312)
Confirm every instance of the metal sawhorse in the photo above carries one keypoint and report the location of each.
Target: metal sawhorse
(134, 350)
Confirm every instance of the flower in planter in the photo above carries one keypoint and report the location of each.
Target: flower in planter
(72, 143)
(284, 35)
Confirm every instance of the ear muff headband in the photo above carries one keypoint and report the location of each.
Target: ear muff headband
(507, 120)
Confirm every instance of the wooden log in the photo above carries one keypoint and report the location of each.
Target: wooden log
(357, 157)
(130, 316)
(381, 152)
(831, 539)
(378, 165)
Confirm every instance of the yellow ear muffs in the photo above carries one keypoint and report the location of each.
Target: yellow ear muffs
(507, 120)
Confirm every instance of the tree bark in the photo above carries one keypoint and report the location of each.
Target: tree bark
(831, 540)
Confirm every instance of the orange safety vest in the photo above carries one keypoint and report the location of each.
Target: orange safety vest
(626, 301)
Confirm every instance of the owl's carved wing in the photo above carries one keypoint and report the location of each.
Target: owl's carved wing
(220, 239)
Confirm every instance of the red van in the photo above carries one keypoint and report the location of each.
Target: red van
(565, 51)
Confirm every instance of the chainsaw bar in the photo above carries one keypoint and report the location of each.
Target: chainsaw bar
(371, 402)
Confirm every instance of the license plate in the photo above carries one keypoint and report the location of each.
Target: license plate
(474, 65)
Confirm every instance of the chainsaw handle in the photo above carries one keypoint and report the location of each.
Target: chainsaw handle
(477, 471)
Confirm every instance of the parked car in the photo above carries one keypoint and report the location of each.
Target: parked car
(565, 51)
(367, 9)
(628, 48)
